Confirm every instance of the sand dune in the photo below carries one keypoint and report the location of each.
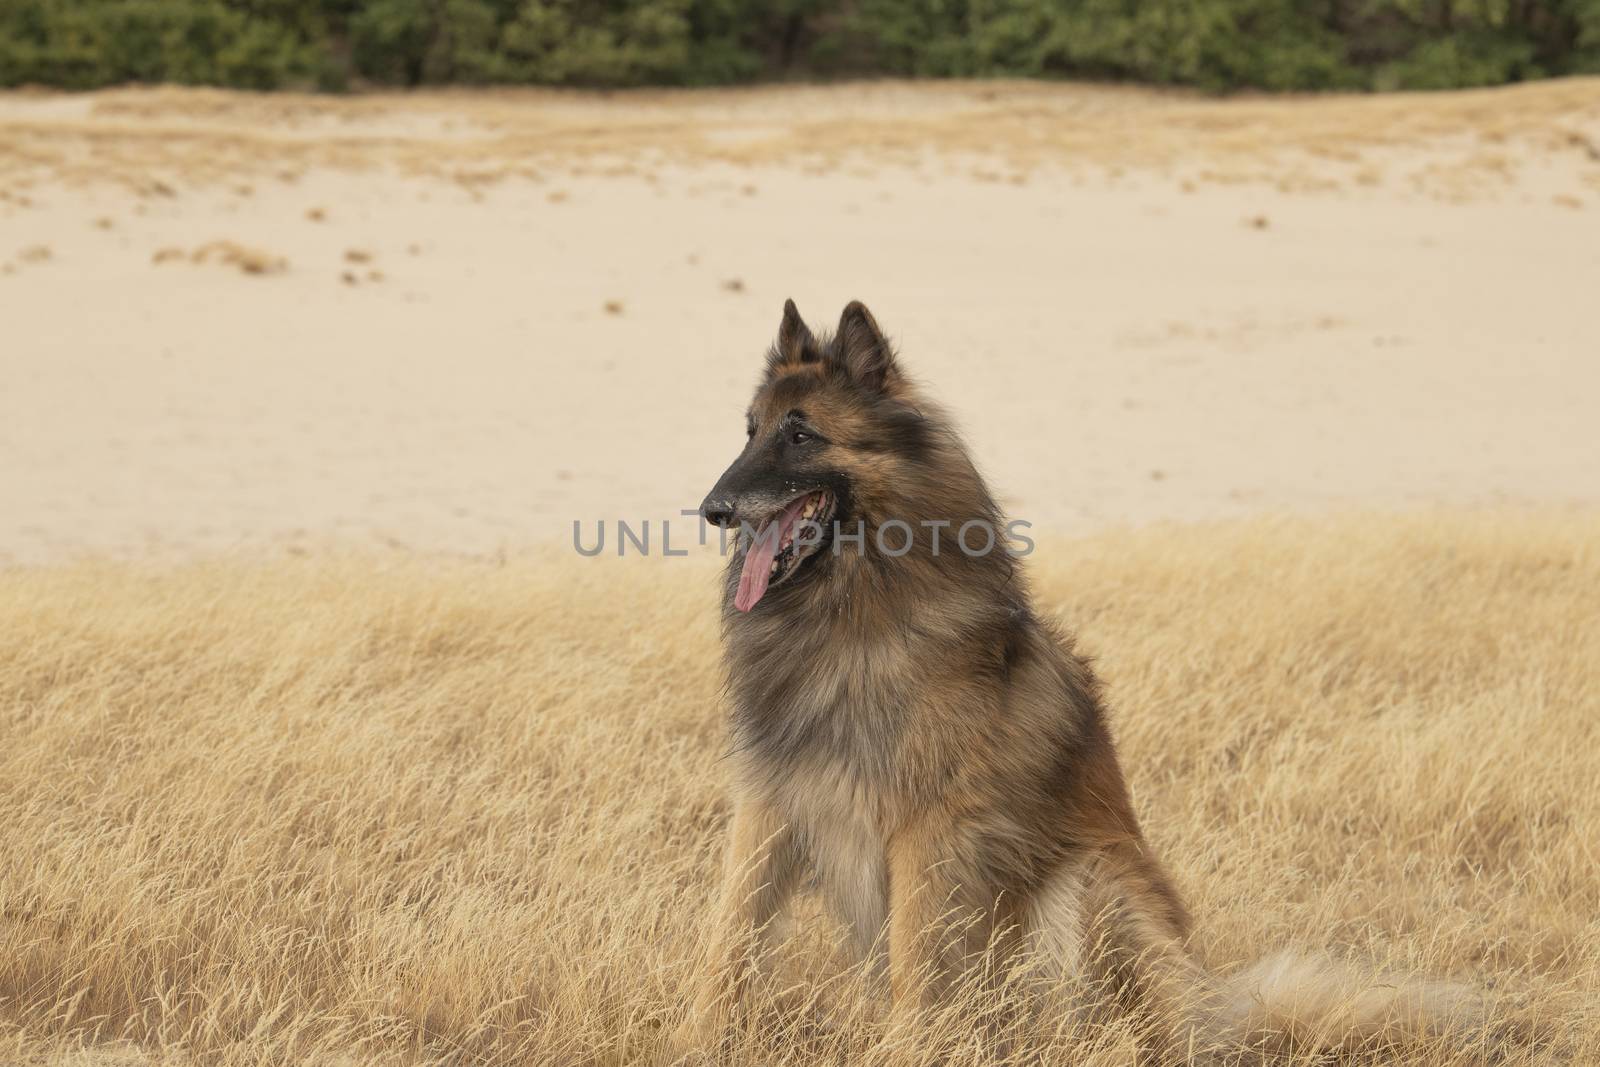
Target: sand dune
(1142, 305)
(480, 137)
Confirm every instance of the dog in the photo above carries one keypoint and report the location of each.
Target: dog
(912, 738)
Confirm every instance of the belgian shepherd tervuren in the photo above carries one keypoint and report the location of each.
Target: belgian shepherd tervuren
(908, 734)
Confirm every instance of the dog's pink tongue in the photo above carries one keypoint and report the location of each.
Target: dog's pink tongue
(759, 556)
(757, 569)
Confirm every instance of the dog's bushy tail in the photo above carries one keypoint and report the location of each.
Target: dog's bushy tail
(1288, 1004)
(1292, 1006)
(1313, 1002)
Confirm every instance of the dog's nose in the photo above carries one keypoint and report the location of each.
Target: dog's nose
(718, 511)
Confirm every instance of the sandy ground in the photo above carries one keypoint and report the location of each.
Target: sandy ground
(458, 322)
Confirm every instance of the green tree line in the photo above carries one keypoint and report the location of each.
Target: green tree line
(1214, 44)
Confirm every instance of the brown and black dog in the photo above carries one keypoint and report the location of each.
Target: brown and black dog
(909, 735)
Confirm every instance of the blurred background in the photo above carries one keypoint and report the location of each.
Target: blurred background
(454, 319)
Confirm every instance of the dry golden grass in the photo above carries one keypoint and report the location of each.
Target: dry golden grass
(227, 254)
(147, 139)
(233, 254)
(400, 811)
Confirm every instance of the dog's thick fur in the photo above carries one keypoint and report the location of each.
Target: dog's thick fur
(907, 732)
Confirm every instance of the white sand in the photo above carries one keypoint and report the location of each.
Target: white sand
(1119, 348)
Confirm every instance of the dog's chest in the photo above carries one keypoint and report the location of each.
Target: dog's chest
(838, 705)
(842, 833)
(819, 730)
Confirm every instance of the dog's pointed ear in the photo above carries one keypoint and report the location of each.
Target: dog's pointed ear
(795, 343)
(863, 350)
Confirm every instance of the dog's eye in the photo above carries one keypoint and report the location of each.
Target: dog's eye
(799, 437)
(750, 431)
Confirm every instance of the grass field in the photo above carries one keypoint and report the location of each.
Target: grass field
(363, 809)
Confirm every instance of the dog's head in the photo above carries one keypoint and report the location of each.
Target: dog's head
(831, 438)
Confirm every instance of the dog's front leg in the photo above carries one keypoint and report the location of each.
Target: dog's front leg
(760, 874)
(923, 939)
